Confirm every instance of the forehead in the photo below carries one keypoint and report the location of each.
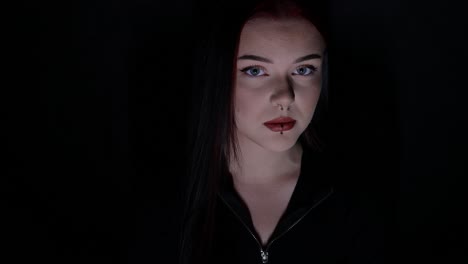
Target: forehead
(277, 36)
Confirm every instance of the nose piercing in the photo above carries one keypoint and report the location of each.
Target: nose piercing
(281, 107)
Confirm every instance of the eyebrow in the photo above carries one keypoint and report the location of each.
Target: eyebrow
(254, 57)
(259, 58)
(308, 57)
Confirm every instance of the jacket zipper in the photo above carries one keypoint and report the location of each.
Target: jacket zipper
(264, 251)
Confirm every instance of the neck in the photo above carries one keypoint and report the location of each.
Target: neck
(259, 166)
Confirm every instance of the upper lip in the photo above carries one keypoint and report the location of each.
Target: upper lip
(281, 119)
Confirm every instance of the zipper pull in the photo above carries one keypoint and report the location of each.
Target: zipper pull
(264, 256)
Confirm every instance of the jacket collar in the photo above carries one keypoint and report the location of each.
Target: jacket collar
(313, 187)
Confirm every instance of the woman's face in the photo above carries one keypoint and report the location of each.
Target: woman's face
(278, 76)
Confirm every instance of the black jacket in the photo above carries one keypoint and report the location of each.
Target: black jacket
(322, 224)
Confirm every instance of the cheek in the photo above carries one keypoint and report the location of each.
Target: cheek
(247, 99)
(308, 98)
(244, 103)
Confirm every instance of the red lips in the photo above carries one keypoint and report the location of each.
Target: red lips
(280, 124)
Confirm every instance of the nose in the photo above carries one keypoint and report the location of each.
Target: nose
(283, 95)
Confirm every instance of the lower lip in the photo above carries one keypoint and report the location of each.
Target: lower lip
(278, 127)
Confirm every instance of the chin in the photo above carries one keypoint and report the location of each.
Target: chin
(268, 140)
(280, 143)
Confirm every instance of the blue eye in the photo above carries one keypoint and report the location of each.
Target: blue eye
(254, 71)
(305, 70)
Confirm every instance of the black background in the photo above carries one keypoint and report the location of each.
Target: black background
(96, 115)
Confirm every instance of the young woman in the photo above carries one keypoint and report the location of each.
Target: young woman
(259, 187)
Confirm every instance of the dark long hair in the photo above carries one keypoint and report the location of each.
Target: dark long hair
(212, 141)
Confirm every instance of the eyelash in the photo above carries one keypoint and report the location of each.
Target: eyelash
(312, 68)
(244, 70)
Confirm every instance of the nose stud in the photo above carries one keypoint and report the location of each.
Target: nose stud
(281, 107)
